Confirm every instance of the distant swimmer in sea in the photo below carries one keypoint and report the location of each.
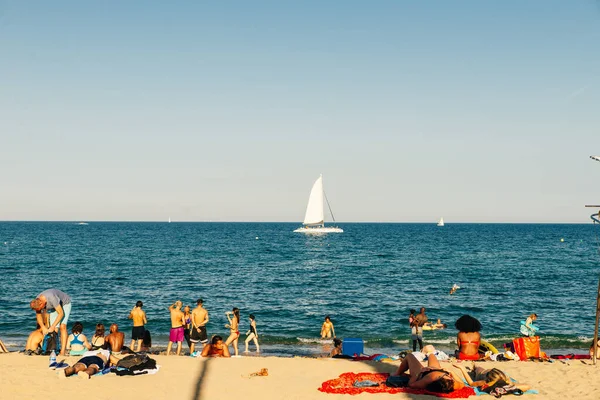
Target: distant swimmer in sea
(468, 338)
(98, 338)
(252, 334)
(527, 326)
(438, 325)
(199, 320)
(234, 328)
(139, 320)
(327, 328)
(58, 305)
(454, 288)
(177, 327)
(216, 348)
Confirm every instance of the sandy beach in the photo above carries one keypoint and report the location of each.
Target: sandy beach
(23, 377)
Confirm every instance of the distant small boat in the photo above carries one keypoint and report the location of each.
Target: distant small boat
(169, 219)
(441, 222)
(314, 219)
(83, 223)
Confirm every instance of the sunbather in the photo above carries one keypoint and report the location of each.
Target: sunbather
(114, 341)
(34, 341)
(98, 338)
(337, 348)
(468, 338)
(77, 342)
(432, 378)
(91, 363)
(216, 348)
(481, 377)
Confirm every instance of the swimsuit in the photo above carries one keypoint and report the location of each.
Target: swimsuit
(137, 333)
(92, 360)
(471, 357)
(214, 351)
(77, 347)
(201, 336)
(176, 334)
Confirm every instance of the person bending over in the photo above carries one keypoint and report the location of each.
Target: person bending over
(432, 378)
(91, 363)
(216, 348)
(468, 338)
(58, 305)
(77, 342)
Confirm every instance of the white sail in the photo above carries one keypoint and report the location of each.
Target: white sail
(314, 211)
(441, 222)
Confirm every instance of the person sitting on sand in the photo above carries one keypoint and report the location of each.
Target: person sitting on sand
(98, 338)
(114, 341)
(90, 364)
(77, 342)
(139, 320)
(597, 350)
(216, 348)
(234, 327)
(432, 378)
(147, 341)
(337, 348)
(468, 338)
(327, 328)
(252, 334)
(35, 339)
(177, 326)
(479, 377)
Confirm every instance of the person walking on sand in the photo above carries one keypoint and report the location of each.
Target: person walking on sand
(234, 328)
(199, 320)
(252, 334)
(139, 320)
(327, 328)
(177, 324)
(188, 325)
(58, 305)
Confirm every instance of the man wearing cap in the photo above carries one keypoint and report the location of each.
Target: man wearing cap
(58, 305)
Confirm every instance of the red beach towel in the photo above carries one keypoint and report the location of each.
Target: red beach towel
(344, 385)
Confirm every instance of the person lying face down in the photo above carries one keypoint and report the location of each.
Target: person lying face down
(91, 363)
(216, 348)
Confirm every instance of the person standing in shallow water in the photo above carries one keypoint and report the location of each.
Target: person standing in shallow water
(177, 327)
(327, 328)
(139, 320)
(417, 329)
(234, 327)
(252, 334)
(58, 305)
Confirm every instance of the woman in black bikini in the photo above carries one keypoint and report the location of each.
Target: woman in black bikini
(432, 378)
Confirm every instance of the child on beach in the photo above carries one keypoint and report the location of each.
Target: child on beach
(252, 334)
(527, 327)
(234, 327)
(327, 328)
(139, 320)
(177, 326)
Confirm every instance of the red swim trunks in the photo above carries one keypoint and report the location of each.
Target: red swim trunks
(176, 334)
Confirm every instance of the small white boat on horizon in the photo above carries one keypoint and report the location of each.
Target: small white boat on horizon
(441, 222)
(314, 219)
(83, 223)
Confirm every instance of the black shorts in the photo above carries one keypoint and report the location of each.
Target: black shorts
(92, 360)
(137, 333)
(201, 336)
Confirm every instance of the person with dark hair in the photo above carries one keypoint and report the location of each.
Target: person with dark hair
(199, 321)
(147, 341)
(337, 348)
(187, 316)
(57, 305)
(417, 329)
(468, 338)
(216, 348)
(494, 377)
(432, 378)
(114, 341)
(327, 328)
(139, 320)
(252, 334)
(77, 342)
(234, 328)
(98, 338)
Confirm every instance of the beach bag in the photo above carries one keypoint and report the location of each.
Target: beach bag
(50, 343)
(397, 381)
(137, 362)
(527, 347)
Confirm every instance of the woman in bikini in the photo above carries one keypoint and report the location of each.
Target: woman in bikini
(468, 338)
(77, 342)
(327, 328)
(432, 378)
(252, 334)
(98, 338)
(187, 315)
(234, 327)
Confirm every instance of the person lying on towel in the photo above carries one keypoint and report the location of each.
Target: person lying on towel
(481, 377)
(91, 363)
(432, 378)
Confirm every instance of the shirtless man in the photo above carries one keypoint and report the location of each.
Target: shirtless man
(177, 326)
(58, 305)
(114, 341)
(139, 320)
(91, 363)
(418, 323)
(199, 321)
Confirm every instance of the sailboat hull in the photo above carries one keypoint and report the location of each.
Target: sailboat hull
(319, 229)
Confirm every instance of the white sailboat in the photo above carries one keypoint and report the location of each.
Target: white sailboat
(169, 219)
(314, 219)
(441, 222)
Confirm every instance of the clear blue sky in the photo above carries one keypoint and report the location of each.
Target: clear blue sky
(229, 110)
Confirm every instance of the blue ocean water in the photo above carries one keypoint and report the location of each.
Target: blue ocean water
(366, 279)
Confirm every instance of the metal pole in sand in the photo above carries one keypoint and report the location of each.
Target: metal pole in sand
(596, 325)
